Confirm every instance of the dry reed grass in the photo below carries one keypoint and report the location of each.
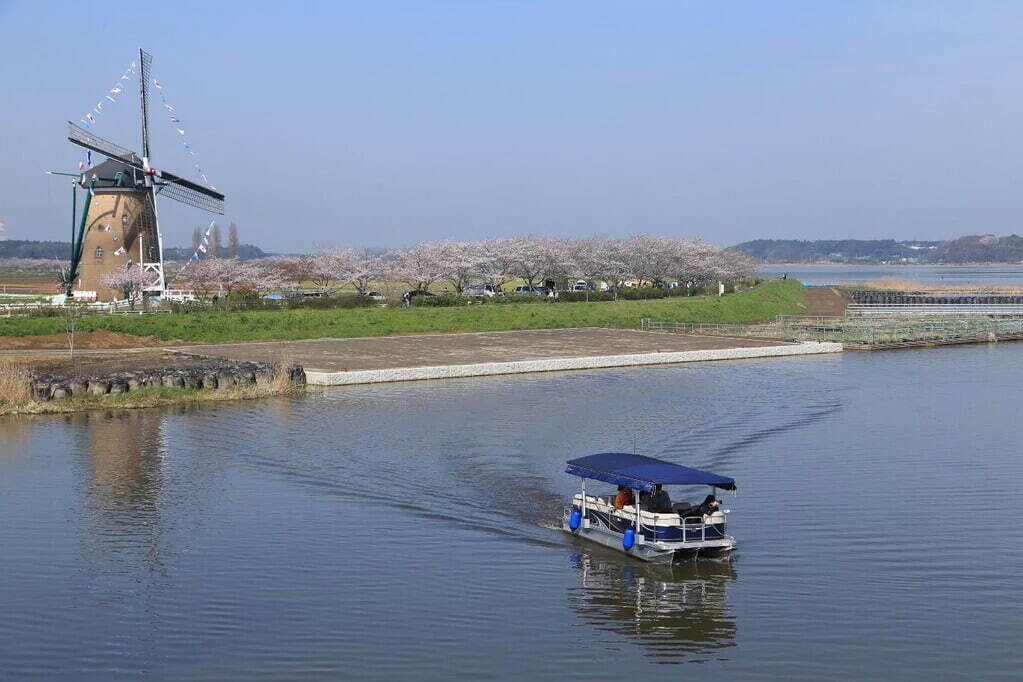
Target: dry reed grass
(895, 284)
(15, 383)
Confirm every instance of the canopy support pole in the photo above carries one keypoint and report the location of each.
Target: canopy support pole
(635, 501)
(584, 502)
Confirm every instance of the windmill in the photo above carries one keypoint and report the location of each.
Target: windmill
(120, 225)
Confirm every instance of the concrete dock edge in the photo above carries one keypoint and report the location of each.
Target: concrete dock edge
(561, 364)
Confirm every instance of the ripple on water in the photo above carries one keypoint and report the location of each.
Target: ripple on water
(411, 530)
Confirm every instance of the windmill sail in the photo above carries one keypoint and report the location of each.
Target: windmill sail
(190, 193)
(173, 186)
(83, 138)
(145, 60)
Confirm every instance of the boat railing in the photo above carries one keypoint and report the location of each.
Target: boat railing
(689, 524)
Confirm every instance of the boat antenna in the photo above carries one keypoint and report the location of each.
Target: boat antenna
(633, 442)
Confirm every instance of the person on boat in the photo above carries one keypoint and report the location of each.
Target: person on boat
(623, 498)
(709, 506)
(656, 501)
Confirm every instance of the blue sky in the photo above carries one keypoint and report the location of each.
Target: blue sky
(385, 123)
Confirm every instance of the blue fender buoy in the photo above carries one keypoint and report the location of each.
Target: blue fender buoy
(575, 520)
(629, 539)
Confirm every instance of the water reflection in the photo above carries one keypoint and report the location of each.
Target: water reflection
(677, 612)
(125, 465)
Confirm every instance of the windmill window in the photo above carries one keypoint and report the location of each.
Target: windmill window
(99, 253)
(124, 220)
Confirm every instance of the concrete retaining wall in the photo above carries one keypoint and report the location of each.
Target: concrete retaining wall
(560, 364)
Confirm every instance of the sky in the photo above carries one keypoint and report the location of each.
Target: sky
(381, 124)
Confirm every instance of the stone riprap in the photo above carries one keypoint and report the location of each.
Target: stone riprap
(206, 373)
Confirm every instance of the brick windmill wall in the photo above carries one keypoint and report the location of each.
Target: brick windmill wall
(118, 226)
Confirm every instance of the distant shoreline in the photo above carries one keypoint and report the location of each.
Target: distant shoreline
(887, 265)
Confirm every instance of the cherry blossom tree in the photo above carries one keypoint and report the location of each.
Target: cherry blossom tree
(131, 280)
(460, 262)
(362, 270)
(497, 261)
(419, 266)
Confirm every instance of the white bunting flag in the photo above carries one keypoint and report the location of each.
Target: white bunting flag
(120, 252)
(202, 247)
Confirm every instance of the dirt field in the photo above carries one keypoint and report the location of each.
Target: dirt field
(83, 341)
(28, 283)
(337, 355)
(826, 301)
(100, 362)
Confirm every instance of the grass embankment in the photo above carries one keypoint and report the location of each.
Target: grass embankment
(759, 304)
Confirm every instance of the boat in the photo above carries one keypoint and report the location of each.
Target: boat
(651, 530)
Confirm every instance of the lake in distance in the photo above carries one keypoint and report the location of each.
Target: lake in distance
(411, 531)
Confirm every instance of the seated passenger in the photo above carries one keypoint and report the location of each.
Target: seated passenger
(709, 506)
(623, 498)
(658, 501)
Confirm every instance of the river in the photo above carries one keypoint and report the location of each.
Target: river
(409, 531)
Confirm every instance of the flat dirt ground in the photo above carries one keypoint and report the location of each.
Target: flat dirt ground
(28, 283)
(101, 340)
(429, 350)
(826, 301)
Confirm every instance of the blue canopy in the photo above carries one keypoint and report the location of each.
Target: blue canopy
(641, 473)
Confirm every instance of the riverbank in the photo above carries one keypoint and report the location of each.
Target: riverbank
(45, 385)
(145, 397)
(759, 304)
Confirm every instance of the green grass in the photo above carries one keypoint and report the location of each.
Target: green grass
(762, 303)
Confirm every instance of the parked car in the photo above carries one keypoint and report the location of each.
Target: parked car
(375, 296)
(530, 291)
(482, 290)
(582, 285)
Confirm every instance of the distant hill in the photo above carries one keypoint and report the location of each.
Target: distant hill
(839, 251)
(245, 252)
(23, 248)
(980, 248)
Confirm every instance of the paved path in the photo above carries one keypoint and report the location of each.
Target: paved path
(428, 356)
(338, 355)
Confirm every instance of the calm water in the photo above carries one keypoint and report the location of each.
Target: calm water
(952, 276)
(408, 531)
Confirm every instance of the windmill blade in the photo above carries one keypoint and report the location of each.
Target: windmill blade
(190, 193)
(83, 138)
(145, 60)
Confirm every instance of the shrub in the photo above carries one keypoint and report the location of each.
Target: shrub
(443, 301)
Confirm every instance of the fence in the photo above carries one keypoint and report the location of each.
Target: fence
(47, 309)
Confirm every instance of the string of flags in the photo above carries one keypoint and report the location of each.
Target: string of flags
(176, 122)
(90, 118)
(204, 245)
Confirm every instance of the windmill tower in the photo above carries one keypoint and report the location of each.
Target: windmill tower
(120, 225)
